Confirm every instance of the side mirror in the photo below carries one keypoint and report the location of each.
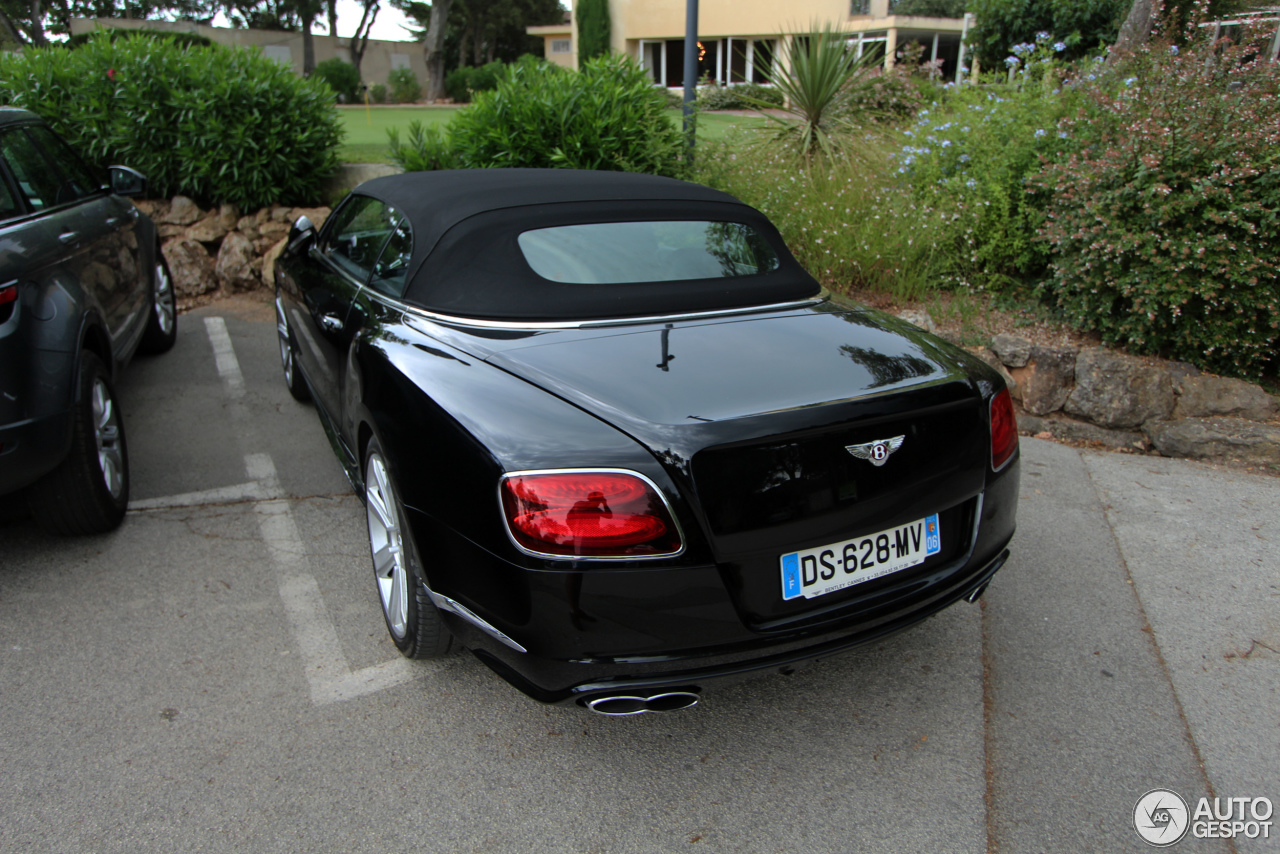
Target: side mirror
(300, 236)
(127, 182)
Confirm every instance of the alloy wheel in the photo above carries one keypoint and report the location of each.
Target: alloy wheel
(106, 434)
(386, 542)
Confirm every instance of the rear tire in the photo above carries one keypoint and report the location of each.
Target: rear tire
(412, 620)
(162, 325)
(288, 357)
(89, 490)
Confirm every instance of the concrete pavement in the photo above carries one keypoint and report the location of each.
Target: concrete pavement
(215, 675)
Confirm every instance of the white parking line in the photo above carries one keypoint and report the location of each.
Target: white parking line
(329, 675)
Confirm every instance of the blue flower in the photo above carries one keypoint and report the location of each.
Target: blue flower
(1173, 49)
(1042, 36)
(964, 158)
(1059, 47)
(971, 183)
(1011, 61)
(1040, 133)
(1062, 134)
(946, 143)
(1129, 81)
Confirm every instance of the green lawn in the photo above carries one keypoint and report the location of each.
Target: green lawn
(366, 130)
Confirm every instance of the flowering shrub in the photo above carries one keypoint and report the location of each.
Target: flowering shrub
(970, 159)
(1163, 227)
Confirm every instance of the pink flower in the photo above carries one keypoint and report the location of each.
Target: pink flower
(111, 74)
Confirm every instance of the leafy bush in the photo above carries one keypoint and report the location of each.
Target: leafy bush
(1082, 25)
(427, 149)
(403, 86)
(217, 124)
(378, 93)
(179, 38)
(462, 83)
(342, 77)
(606, 116)
(1162, 221)
(737, 96)
(970, 158)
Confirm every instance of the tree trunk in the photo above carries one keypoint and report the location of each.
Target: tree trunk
(9, 32)
(37, 25)
(433, 49)
(333, 17)
(308, 49)
(360, 41)
(464, 42)
(1136, 28)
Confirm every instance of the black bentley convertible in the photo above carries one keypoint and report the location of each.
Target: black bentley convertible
(614, 440)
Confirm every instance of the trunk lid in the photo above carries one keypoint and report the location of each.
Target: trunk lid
(753, 417)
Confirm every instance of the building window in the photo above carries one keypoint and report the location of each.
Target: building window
(279, 52)
(860, 7)
(399, 60)
(561, 46)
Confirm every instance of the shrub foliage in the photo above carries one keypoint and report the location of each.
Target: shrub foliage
(1163, 222)
(403, 86)
(593, 28)
(342, 77)
(607, 116)
(213, 123)
(462, 83)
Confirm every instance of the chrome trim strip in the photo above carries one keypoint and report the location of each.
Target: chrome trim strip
(506, 524)
(444, 603)
(451, 320)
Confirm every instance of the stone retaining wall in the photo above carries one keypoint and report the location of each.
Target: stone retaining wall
(216, 249)
(1098, 395)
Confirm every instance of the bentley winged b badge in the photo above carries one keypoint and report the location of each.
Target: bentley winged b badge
(877, 452)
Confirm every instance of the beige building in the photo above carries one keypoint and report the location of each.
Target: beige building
(379, 57)
(741, 40)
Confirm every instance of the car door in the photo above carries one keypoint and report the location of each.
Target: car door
(339, 265)
(109, 224)
(62, 194)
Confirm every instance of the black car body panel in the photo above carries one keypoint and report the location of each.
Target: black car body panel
(82, 274)
(740, 417)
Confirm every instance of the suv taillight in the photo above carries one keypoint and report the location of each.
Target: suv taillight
(1004, 429)
(588, 514)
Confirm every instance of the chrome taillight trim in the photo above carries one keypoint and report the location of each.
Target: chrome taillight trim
(666, 502)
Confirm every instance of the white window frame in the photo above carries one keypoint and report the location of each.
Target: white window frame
(662, 59)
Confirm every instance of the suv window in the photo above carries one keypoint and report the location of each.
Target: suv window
(47, 171)
(360, 229)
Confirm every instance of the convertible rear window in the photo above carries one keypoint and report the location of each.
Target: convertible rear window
(653, 251)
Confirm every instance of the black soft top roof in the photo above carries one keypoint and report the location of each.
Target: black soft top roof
(466, 260)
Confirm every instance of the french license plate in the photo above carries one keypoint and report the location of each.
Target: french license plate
(826, 569)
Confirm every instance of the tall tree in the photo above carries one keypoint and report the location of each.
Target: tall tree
(593, 28)
(360, 38)
(433, 48)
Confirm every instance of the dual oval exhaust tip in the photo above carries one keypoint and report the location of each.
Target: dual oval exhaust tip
(622, 705)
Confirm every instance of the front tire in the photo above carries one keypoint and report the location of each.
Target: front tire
(412, 620)
(162, 325)
(89, 490)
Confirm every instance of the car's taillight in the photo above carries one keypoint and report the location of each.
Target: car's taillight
(591, 514)
(8, 296)
(1004, 429)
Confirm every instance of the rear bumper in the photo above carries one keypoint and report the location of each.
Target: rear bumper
(577, 683)
(31, 449)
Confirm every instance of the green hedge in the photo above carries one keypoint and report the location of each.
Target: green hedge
(179, 38)
(462, 84)
(216, 124)
(342, 77)
(606, 116)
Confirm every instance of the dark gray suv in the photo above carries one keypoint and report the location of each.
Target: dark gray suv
(83, 286)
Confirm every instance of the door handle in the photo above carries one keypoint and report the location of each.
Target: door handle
(69, 237)
(330, 322)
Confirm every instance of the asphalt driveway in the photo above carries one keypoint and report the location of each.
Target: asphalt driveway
(215, 676)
